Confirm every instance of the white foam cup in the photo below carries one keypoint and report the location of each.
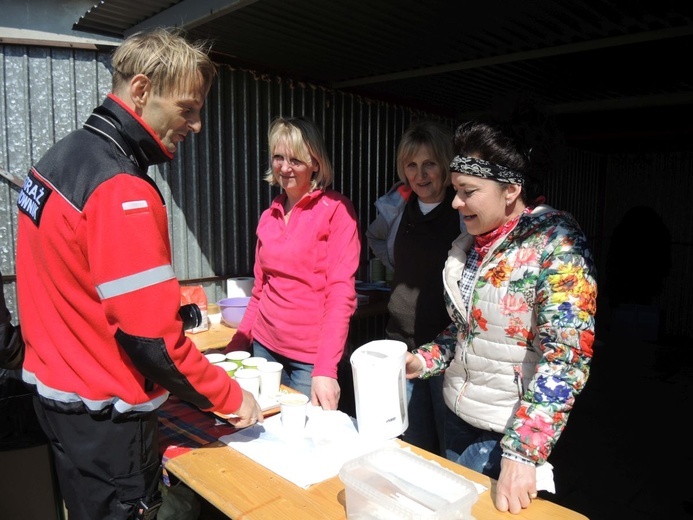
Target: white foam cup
(230, 367)
(293, 413)
(252, 362)
(249, 379)
(238, 355)
(215, 357)
(270, 378)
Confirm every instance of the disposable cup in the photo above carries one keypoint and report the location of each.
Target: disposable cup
(252, 362)
(293, 413)
(215, 357)
(238, 355)
(249, 379)
(229, 366)
(270, 378)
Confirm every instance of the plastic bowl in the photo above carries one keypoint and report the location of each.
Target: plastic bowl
(233, 309)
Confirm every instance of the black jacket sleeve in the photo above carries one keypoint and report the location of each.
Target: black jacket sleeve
(11, 343)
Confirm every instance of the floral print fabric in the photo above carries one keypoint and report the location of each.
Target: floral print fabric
(517, 357)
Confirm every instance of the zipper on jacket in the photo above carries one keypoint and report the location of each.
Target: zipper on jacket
(518, 381)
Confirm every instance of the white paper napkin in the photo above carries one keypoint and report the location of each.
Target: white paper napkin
(545, 478)
(330, 440)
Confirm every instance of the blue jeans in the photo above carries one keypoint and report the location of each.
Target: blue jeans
(296, 375)
(472, 447)
(426, 411)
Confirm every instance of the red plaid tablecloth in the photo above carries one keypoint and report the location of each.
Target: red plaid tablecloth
(183, 427)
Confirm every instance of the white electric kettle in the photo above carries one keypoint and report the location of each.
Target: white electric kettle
(380, 389)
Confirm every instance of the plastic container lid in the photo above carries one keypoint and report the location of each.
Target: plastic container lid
(392, 483)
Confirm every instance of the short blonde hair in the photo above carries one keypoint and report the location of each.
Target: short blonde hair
(426, 133)
(302, 137)
(171, 62)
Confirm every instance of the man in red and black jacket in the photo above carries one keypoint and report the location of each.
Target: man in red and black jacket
(97, 294)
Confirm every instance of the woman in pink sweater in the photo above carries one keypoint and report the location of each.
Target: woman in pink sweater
(306, 257)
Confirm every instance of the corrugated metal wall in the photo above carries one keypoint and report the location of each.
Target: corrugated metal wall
(214, 189)
(44, 93)
(216, 182)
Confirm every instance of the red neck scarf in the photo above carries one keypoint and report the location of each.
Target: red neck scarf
(482, 243)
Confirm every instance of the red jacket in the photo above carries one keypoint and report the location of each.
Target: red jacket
(97, 295)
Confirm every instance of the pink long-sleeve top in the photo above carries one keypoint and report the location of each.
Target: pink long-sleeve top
(304, 293)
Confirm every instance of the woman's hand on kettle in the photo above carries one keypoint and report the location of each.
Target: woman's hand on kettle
(414, 366)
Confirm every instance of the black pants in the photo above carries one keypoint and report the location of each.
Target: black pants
(104, 464)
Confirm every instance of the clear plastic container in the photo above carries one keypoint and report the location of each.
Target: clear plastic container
(392, 483)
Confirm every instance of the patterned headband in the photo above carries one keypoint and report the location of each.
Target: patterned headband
(486, 170)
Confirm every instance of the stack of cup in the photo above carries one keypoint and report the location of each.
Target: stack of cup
(260, 377)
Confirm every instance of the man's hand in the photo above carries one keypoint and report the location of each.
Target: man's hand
(249, 413)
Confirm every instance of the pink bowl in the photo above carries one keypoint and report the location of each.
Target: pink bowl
(233, 309)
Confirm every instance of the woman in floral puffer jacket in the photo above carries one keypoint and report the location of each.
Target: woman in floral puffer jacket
(521, 292)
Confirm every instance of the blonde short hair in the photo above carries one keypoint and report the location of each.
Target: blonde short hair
(426, 133)
(171, 62)
(302, 137)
